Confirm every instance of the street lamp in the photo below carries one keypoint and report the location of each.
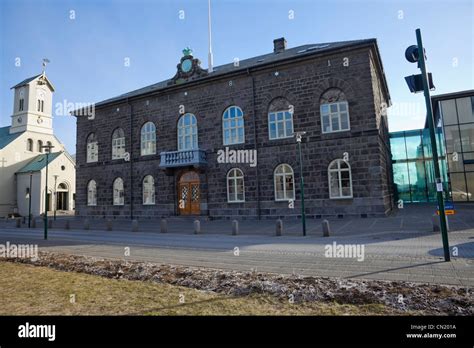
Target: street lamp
(48, 148)
(29, 200)
(299, 135)
(417, 83)
(55, 196)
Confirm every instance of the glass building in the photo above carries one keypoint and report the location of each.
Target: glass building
(412, 160)
(455, 111)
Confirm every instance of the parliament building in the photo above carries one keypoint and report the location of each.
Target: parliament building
(220, 142)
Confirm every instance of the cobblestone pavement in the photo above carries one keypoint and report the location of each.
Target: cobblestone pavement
(400, 247)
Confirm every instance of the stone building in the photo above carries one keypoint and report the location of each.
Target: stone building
(221, 143)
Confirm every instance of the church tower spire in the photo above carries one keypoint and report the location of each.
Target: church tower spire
(33, 104)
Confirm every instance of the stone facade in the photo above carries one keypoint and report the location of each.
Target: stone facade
(353, 71)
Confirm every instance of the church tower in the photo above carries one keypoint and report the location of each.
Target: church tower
(33, 105)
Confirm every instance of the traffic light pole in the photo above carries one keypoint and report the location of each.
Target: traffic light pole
(429, 115)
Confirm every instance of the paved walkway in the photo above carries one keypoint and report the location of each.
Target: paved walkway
(396, 248)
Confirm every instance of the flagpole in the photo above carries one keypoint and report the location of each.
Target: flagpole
(210, 57)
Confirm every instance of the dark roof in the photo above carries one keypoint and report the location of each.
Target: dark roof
(257, 61)
(5, 136)
(26, 81)
(38, 163)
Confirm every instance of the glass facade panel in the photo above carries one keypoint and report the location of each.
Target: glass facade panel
(470, 186)
(414, 148)
(397, 145)
(413, 168)
(467, 137)
(453, 142)
(448, 108)
(458, 187)
(464, 108)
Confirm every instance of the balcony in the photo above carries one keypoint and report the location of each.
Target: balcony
(184, 158)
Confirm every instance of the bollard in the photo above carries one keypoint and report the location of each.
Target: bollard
(134, 225)
(87, 224)
(235, 227)
(108, 225)
(164, 226)
(67, 226)
(326, 228)
(279, 227)
(18, 222)
(197, 227)
(33, 222)
(50, 223)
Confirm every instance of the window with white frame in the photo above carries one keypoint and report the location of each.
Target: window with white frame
(284, 183)
(340, 179)
(148, 139)
(187, 132)
(29, 144)
(280, 119)
(334, 111)
(118, 192)
(92, 149)
(40, 146)
(280, 124)
(92, 193)
(148, 190)
(233, 126)
(118, 144)
(235, 186)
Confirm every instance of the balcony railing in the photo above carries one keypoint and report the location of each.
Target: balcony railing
(183, 158)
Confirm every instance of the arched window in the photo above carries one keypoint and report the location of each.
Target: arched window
(233, 126)
(148, 190)
(235, 186)
(187, 132)
(92, 148)
(334, 111)
(284, 183)
(118, 144)
(40, 146)
(280, 119)
(148, 139)
(118, 192)
(340, 179)
(29, 145)
(49, 144)
(92, 193)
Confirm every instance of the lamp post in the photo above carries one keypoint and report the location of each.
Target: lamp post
(423, 82)
(299, 135)
(29, 199)
(48, 150)
(55, 196)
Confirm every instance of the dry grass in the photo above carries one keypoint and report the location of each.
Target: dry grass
(32, 290)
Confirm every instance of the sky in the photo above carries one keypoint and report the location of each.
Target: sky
(102, 48)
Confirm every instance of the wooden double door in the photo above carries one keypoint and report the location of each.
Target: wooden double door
(189, 194)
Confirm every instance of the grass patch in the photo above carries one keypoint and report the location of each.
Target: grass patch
(33, 290)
